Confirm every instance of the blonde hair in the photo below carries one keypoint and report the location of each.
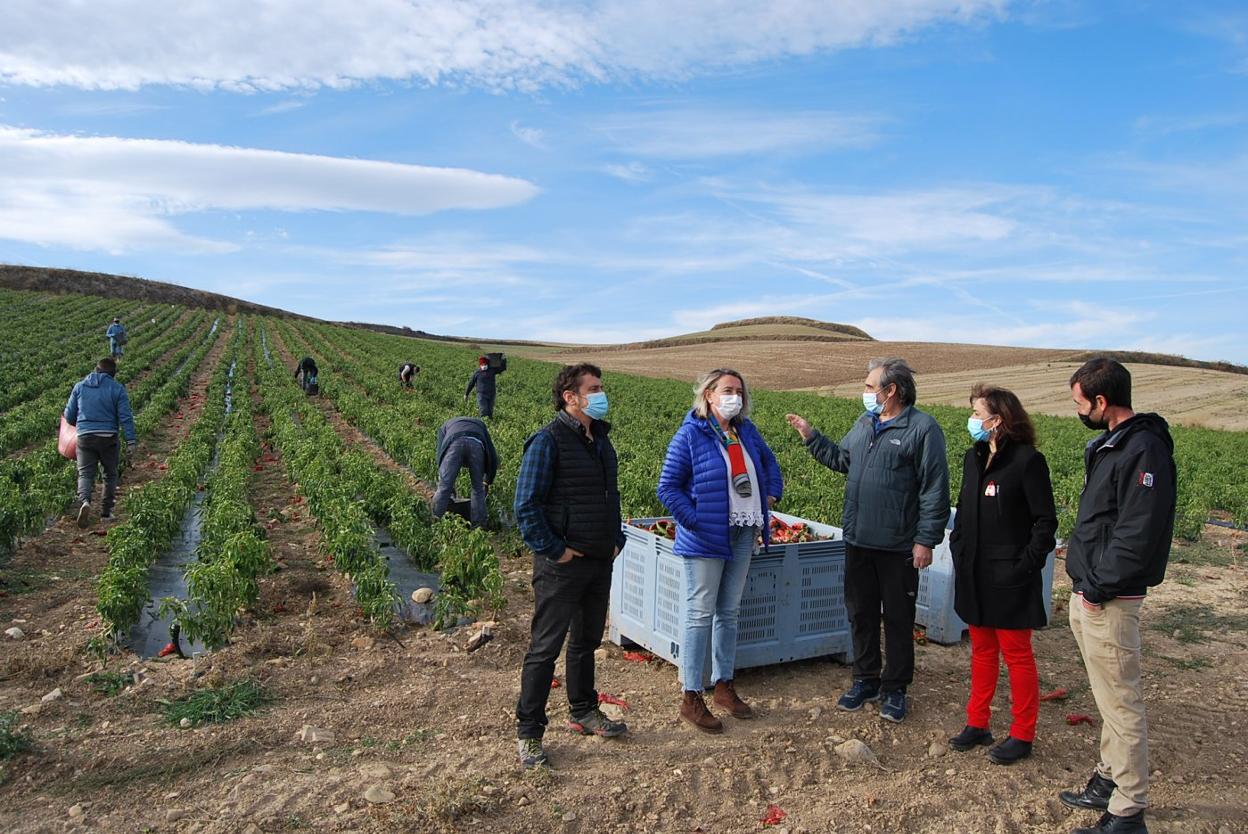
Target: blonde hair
(708, 381)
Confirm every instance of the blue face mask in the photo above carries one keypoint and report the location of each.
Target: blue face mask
(597, 406)
(976, 428)
(871, 404)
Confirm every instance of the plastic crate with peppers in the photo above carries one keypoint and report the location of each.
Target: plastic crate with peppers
(781, 531)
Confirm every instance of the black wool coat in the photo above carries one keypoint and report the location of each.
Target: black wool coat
(1002, 535)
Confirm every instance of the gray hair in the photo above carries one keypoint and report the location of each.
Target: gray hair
(708, 381)
(896, 372)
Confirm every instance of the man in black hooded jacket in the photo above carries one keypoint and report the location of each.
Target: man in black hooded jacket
(1117, 551)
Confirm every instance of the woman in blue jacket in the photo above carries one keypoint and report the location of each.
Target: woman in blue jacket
(719, 482)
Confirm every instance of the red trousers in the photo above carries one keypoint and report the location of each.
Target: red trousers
(987, 647)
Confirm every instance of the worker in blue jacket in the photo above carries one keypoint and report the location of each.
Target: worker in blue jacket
(99, 408)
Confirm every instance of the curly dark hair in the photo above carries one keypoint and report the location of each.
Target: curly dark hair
(569, 379)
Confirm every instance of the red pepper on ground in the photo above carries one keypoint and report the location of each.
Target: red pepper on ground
(604, 698)
(169, 649)
(1075, 718)
(1055, 695)
(554, 683)
(637, 657)
(775, 815)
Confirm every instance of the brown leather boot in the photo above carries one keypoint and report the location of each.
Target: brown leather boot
(693, 709)
(726, 697)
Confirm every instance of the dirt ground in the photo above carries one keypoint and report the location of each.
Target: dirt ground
(790, 365)
(1044, 388)
(414, 713)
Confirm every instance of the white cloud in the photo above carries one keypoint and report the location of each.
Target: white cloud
(525, 44)
(701, 133)
(632, 172)
(120, 194)
(280, 107)
(534, 137)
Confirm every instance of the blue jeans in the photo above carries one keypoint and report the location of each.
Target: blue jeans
(464, 453)
(712, 603)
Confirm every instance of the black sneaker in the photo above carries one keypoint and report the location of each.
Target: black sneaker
(970, 737)
(858, 694)
(84, 516)
(1010, 751)
(597, 724)
(893, 706)
(1110, 824)
(531, 753)
(1094, 797)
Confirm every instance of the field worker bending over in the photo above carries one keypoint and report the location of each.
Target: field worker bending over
(407, 372)
(896, 507)
(306, 373)
(99, 407)
(464, 443)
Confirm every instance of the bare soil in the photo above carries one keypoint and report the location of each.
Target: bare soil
(414, 713)
(1221, 401)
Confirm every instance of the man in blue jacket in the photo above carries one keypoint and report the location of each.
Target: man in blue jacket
(896, 507)
(1118, 550)
(568, 510)
(484, 380)
(117, 338)
(99, 407)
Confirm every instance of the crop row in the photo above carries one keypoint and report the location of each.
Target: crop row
(154, 511)
(41, 482)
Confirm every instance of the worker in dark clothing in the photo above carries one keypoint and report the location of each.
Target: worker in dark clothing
(483, 381)
(407, 372)
(464, 443)
(306, 373)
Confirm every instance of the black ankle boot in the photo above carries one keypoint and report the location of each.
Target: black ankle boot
(1110, 824)
(1010, 751)
(1094, 797)
(970, 737)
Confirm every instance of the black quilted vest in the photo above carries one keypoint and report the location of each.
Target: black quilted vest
(583, 506)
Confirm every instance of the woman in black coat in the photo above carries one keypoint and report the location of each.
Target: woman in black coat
(1001, 539)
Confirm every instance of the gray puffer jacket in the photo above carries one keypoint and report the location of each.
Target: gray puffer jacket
(897, 492)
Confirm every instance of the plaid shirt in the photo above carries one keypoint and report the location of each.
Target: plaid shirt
(537, 475)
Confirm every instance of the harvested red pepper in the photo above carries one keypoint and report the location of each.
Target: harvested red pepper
(604, 698)
(775, 815)
(170, 648)
(637, 657)
(554, 683)
(1075, 718)
(1055, 695)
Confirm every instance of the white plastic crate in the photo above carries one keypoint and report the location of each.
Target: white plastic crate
(793, 606)
(934, 606)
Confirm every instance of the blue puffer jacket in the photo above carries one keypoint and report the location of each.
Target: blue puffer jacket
(99, 404)
(694, 486)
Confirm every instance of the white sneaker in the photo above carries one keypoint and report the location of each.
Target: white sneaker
(84, 516)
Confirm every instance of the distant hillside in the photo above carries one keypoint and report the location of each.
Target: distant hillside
(60, 281)
(796, 321)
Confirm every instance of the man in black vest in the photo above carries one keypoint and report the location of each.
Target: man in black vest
(568, 509)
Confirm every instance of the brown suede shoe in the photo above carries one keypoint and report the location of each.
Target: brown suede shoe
(693, 709)
(726, 697)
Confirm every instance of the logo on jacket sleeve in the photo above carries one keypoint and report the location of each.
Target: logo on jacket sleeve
(1146, 479)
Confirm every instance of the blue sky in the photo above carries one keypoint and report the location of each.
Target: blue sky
(1059, 174)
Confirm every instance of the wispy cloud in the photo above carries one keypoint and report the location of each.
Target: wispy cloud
(120, 194)
(534, 137)
(512, 44)
(285, 106)
(630, 172)
(698, 133)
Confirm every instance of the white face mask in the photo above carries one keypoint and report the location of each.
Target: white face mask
(729, 405)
